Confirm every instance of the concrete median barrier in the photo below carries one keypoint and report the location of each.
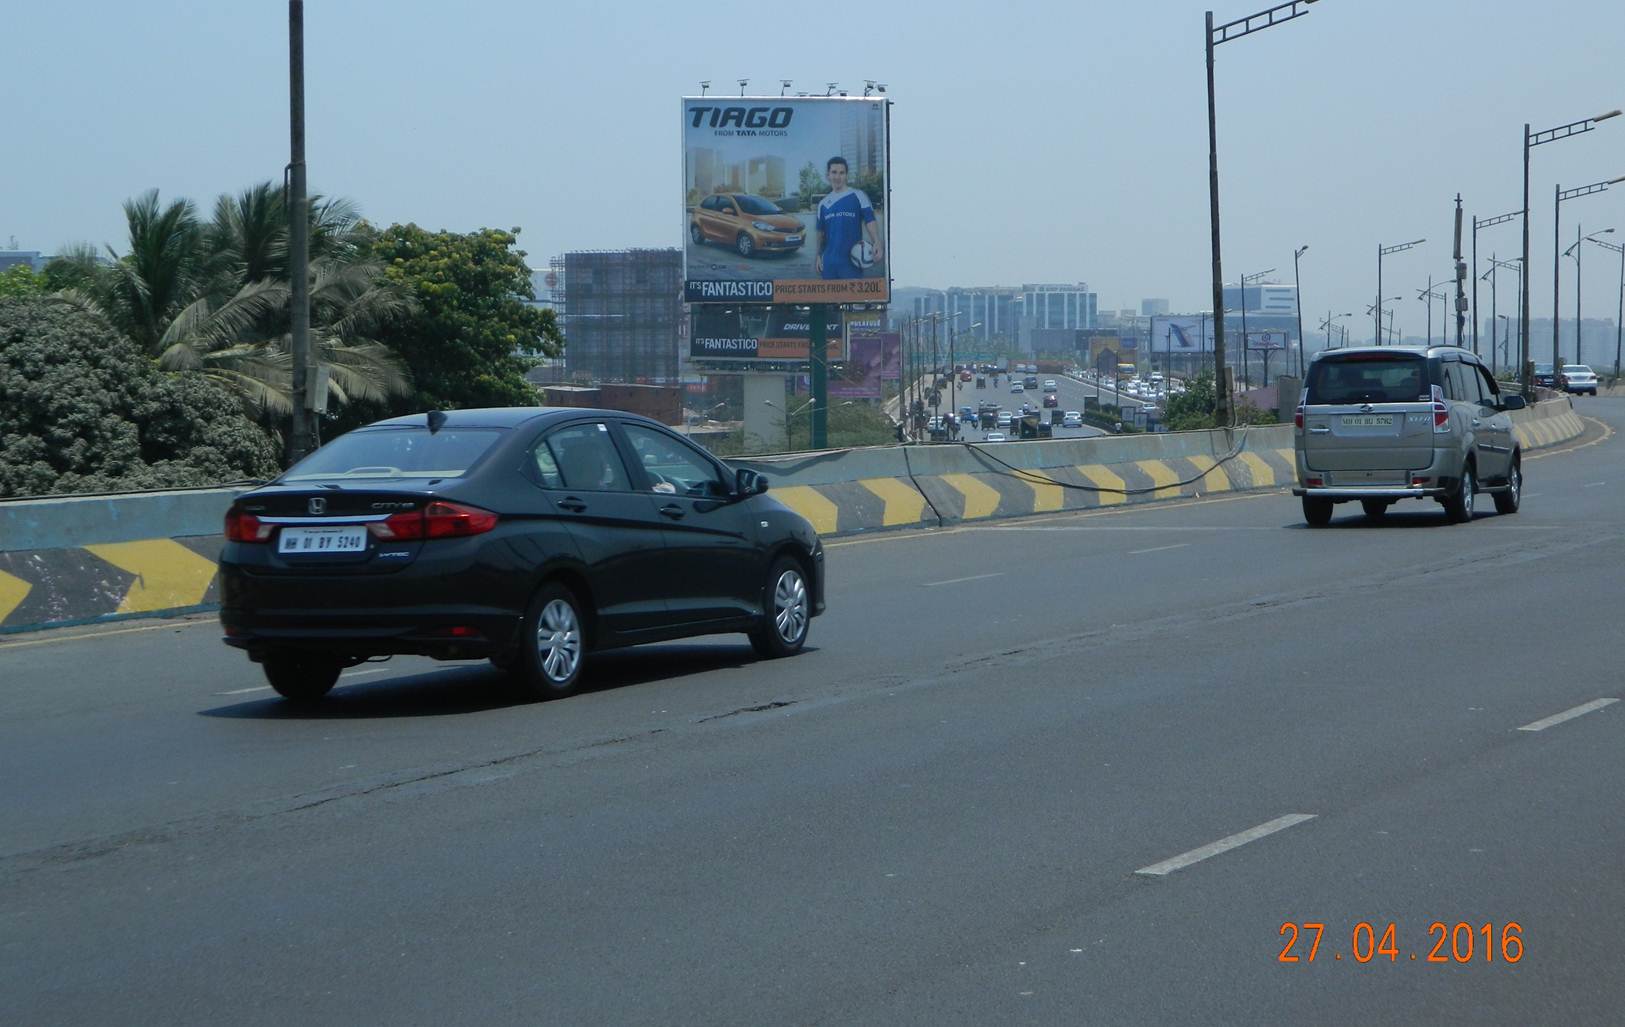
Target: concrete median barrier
(1547, 423)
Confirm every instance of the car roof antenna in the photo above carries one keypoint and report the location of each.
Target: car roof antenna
(437, 420)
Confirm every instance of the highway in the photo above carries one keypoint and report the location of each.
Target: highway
(1070, 393)
(1077, 768)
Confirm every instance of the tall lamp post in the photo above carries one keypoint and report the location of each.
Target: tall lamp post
(1516, 267)
(1297, 293)
(1211, 38)
(1246, 372)
(1327, 325)
(1383, 251)
(1557, 261)
(1477, 224)
(1506, 335)
(1575, 252)
(1428, 294)
(1531, 140)
(1377, 308)
(1619, 319)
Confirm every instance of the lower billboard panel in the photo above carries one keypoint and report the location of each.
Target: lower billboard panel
(874, 359)
(762, 333)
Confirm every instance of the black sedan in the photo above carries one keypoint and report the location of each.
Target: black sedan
(529, 536)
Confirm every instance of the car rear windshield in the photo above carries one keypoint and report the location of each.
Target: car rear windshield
(1381, 379)
(1576, 369)
(396, 453)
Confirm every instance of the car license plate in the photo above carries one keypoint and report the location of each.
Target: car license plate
(792, 238)
(1368, 420)
(350, 539)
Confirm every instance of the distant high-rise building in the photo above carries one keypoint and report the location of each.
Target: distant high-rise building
(35, 260)
(765, 177)
(1059, 306)
(860, 140)
(622, 314)
(1264, 299)
(1150, 307)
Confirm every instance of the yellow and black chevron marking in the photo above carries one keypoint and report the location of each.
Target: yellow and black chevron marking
(843, 509)
(89, 583)
(1548, 431)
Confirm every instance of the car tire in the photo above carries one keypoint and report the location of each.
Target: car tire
(787, 611)
(1458, 506)
(1508, 502)
(1317, 512)
(301, 677)
(745, 245)
(696, 236)
(1374, 508)
(552, 644)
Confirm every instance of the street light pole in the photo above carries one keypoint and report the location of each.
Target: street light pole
(1619, 319)
(1562, 194)
(1533, 139)
(1576, 250)
(1211, 38)
(1297, 290)
(301, 435)
(1383, 251)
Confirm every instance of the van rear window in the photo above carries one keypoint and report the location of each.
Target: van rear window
(1380, 380)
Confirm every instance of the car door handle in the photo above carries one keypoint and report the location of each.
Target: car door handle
(572, 504)
(673, 511)
(1320, 431)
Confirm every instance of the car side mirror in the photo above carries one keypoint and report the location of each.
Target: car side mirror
(1513, 401)
(749, 483)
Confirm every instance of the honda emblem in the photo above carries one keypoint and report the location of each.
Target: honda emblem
(318, 506)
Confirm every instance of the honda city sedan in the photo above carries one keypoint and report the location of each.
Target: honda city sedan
(528, 536)
(750, 224)
(1577, 379)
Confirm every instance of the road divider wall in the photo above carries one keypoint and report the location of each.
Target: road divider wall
(81, 559)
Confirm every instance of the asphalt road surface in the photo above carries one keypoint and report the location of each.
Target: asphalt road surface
(1080, 768)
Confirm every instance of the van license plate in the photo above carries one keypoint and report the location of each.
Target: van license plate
(351, 539)
(1368, 420)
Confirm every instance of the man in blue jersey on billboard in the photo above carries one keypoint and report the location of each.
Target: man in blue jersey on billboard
(846, 223)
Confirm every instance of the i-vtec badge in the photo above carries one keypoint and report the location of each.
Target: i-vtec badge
(393, 506)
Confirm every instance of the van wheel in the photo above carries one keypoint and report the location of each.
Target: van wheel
(552, 644)
(1374, 508)
(786, 611)
(1507, 502)
(1318, 512)
(301, 677)
(744, 245)
(1458, 506)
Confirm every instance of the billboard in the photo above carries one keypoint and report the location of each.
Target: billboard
(784, 200)
(874, 359)
(1266, 340)
(761, 333)
(1182, 335)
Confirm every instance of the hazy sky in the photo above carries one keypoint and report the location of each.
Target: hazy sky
(1032, 142)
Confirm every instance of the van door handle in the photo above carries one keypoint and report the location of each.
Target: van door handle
(673, 511)
(572, 504)
(1320, 431)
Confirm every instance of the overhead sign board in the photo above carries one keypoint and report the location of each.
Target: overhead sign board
(1266, 340)
(785, 200)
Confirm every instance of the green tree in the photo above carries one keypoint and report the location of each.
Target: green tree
(1191, 410)
(873, 185)
(472, 336)
(83, 409)
(810, 184)
(20, 280)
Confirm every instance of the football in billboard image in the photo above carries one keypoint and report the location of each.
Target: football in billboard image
(784, 200)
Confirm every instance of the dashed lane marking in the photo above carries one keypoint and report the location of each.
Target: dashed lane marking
(1158, 549)
(1578, 711)
(961, 581)
(1223, 845)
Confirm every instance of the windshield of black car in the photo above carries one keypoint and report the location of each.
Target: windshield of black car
(1382, 379)
(412, 452)
(756, 205)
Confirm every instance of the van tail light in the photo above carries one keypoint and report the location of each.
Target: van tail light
(439, 519)
(245, 527)
(1297, 418)
(1441, 413)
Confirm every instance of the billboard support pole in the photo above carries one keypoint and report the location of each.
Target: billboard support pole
(818, 352)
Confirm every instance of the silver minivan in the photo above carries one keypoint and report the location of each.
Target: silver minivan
(1383, 423)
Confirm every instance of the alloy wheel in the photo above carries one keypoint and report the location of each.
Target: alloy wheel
(790, 606)
(558, 640)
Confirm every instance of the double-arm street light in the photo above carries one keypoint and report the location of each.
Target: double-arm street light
(1211, 38)
(1531, 140)
(1331, 321)
(1499, 219)
(1557, 261)
(1428, 294)
(1619, 319)
(1297, 293)
(1377, 308)
(1383, 251)
(1516, 268)
(1575, 252)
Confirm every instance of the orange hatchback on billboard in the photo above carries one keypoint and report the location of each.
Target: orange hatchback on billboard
(784, 200)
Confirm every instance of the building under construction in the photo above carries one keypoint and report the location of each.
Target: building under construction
(622, 314)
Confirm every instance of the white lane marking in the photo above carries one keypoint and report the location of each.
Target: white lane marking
(245, 691)
(1596, 484)
(358, 673)
(167, 625)
(957, 581)
(1183, 860)
(1558, 718)
(1132, 527)
(1157, 549)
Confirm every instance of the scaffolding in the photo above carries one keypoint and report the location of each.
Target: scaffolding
(621, 311)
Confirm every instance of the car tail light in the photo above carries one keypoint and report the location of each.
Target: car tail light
(439, 519)
(245, 527)
(1297, 418)
(1314, 483)
(1441, 412)
(1419, 483)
